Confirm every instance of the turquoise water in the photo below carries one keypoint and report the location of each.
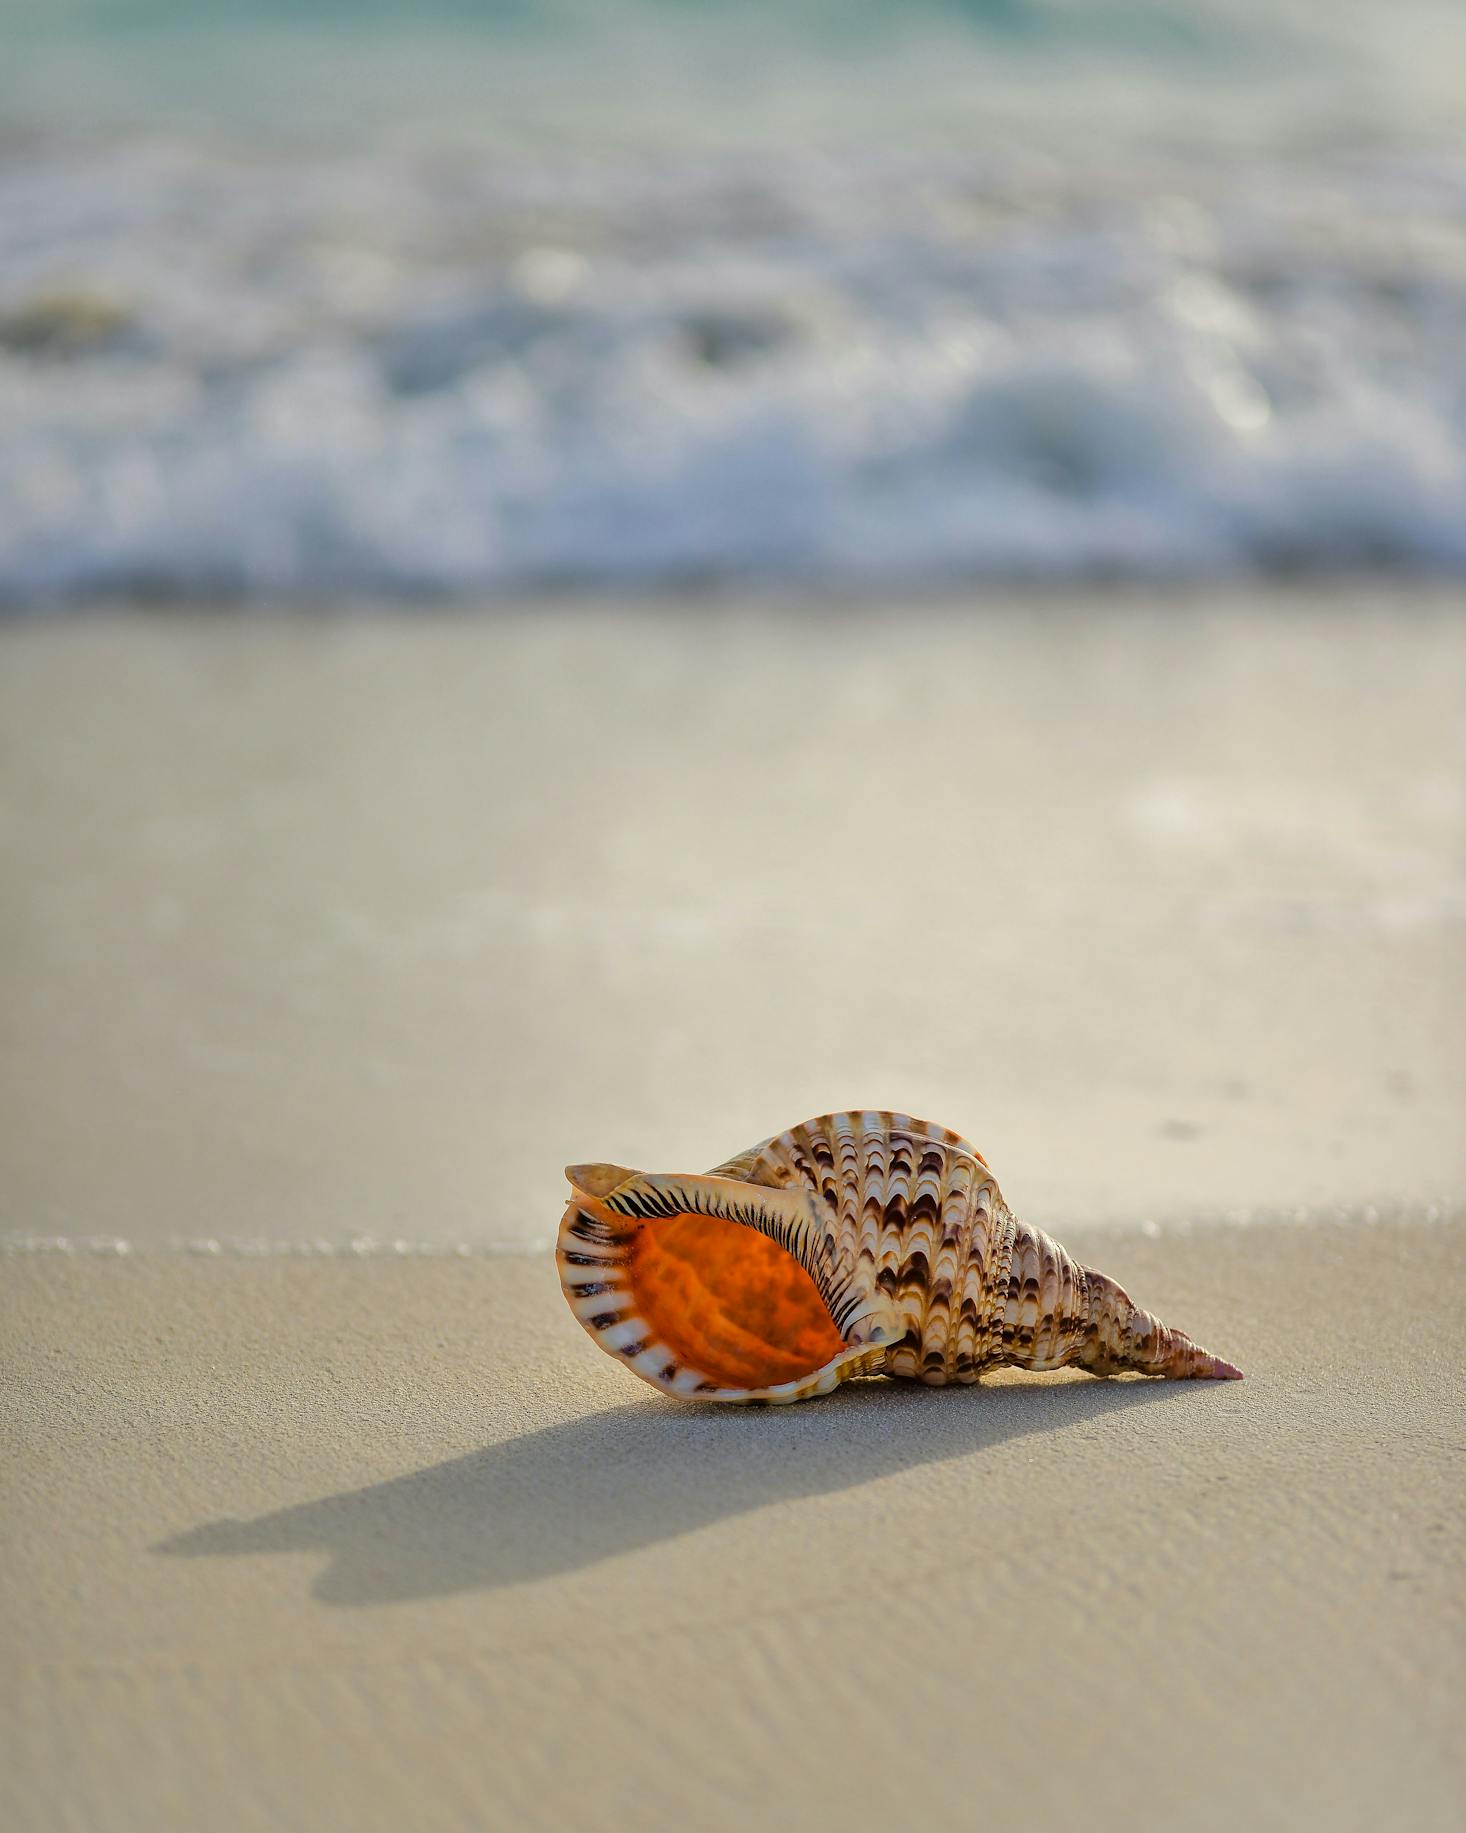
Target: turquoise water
(637, 69)
(1143, 23)
(471, 299)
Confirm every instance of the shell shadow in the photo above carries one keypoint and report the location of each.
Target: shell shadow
(568, 1495)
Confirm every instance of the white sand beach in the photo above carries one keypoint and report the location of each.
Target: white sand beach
(325, 935)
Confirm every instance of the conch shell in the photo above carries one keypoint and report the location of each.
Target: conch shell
(856, 1244)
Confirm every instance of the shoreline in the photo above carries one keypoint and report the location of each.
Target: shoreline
(16, 1245)
(1329, 592)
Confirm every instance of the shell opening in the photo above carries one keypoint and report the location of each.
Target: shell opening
(730, 1303)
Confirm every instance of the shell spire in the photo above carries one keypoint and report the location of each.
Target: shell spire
(1059, 1314)
(1125, 1337)
(855, 1244)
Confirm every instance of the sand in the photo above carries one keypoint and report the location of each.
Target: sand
(388, 1544)
(337, 927)
(323, 935)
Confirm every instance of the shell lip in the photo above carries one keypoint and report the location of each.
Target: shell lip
(593, 1265)
(822, 1380)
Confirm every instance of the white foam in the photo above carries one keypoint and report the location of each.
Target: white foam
(267, 1247)
(1383, 1213)
(340, 374)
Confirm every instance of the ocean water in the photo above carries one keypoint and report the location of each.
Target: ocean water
(304, 301)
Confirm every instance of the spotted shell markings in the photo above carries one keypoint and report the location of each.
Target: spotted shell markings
(859, 1243)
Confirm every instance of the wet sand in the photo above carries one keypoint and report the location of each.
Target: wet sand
(331, 927)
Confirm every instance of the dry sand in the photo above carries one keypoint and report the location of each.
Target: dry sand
(323, 929)
(388, 1544)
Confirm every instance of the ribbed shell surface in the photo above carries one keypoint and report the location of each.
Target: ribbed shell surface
(911, 1210)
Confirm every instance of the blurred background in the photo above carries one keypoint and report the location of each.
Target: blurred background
(873, 553)
(307, 298)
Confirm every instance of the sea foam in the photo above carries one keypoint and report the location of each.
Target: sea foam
(1056, 345)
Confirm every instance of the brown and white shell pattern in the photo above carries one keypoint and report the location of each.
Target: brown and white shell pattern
(860, 1243)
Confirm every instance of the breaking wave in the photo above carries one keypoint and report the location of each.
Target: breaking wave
(1136, 345)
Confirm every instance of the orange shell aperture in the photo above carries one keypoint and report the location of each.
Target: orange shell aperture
(729, 1302)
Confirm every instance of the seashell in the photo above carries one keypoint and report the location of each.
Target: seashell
(856, 1244)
